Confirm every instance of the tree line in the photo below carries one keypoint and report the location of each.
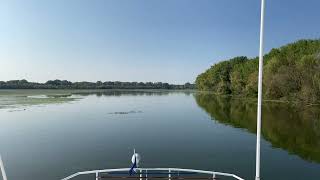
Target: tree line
(291, 73)
(64, 84)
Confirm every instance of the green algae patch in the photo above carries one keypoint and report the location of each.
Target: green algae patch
(14, 100)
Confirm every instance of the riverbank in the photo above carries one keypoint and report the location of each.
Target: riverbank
(264, 99)
(291, 73)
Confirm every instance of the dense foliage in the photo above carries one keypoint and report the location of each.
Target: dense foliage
(291, 73)
(63, 84)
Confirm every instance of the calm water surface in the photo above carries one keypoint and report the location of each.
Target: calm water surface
(169, 129)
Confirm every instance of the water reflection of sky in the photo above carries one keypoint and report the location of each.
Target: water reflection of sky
(172, 131)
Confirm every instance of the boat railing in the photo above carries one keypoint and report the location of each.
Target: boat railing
(149, 173)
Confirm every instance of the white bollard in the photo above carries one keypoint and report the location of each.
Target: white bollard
(97, 176)
(140, 174)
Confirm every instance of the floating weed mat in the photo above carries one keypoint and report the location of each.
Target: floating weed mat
(126, 112)
(21, 102)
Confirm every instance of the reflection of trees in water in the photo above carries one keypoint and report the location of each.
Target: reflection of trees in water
(295, 129)
(131, 93)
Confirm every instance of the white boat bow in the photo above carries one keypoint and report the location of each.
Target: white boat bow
(145, 173)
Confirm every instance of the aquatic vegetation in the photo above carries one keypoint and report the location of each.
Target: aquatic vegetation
(19, 100)
(126, 112)
(22, 98)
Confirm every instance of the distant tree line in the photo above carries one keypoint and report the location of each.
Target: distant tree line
(291, 73)
(64, 84)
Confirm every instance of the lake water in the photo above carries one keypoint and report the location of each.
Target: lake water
(47, 136)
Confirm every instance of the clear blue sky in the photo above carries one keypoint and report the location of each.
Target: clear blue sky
(141, 40)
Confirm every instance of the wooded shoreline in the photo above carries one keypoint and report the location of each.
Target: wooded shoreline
(291, 73)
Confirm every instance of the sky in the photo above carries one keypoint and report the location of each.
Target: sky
(141, 40)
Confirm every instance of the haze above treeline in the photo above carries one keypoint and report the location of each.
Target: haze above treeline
(290, 73)
(64, 84)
